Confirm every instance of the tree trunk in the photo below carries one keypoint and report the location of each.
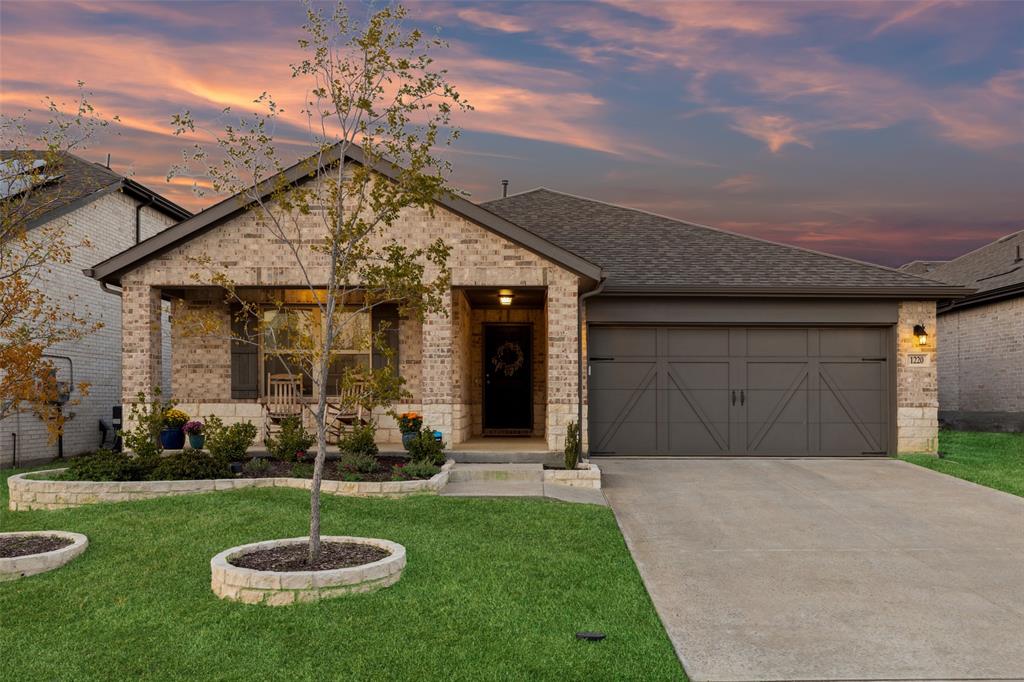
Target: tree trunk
(318, 472)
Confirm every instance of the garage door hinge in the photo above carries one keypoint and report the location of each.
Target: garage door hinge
(598, 359)
(880, 452)
(602, 452)
(873, 359)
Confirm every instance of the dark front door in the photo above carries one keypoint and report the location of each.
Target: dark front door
(508, 397)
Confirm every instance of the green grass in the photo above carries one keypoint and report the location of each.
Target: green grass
(995, 460)
(494, 590)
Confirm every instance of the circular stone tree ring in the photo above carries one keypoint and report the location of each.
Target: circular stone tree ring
(12, 568)
(279, 588)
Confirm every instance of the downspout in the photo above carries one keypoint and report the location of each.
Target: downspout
(138, 218)
(579, 359)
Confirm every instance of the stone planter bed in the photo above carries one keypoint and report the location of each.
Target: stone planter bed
(279, 588)
(34, 491)
(47, 550)
(585, 475)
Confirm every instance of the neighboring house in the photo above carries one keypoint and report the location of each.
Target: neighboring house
(90, 203)
(981, 352)
(696, 341)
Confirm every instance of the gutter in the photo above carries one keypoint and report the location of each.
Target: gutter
(582, 299)
(983, 297)
(138, 218)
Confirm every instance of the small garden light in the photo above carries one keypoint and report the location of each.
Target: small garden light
(921, 334)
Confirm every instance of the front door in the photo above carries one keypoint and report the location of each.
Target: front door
(508, 390)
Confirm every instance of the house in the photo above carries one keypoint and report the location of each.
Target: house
(693, 340)
(93, 204)
(981, 354)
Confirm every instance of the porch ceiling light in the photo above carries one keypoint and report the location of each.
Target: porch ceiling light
(505, 297)
(921, 334)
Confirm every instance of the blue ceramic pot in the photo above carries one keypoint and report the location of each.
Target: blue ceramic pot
(407, 437)
(172, 439)
(196, 441)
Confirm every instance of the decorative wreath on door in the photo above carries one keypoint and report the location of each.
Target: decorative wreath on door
(508, 358)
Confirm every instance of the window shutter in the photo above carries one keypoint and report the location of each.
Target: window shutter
(386, 314)
(245, 373)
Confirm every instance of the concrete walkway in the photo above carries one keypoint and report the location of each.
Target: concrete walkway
(826, 569)
(513, 480)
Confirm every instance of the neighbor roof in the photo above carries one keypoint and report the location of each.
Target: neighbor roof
(642, 252)
(995, 270)
(110, 270)
(78, 183)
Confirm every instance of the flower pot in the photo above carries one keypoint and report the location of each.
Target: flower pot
(236, 467)
(172, 438)
(196, 441)
(407, 437)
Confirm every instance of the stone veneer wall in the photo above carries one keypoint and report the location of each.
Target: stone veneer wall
(917, 394)
(243, 250)
(981, 364)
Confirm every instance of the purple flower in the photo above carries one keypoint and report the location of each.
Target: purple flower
(194, 427)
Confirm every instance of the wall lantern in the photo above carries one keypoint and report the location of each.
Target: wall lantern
(921, 334)
(505, 297)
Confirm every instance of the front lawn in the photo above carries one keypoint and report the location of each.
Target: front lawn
(495, 590)
(992, 459)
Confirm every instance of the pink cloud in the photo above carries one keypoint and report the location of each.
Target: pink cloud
(492, 20)
(739, 184)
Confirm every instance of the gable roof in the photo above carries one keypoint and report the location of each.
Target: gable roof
(642, 252)
(78, 183)
(110, 270)
(995, 271)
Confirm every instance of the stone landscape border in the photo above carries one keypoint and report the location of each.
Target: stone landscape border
(32, 490)
(583, 476)
(13, 568)
(280, 588)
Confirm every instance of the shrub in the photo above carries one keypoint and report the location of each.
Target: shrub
(291, 440)
(302, 470)
(360, 441)
(572, 445)
(257, 466)
(190, 464)
(104, 465)
(414, 470)
(193, 428)
(174, 418)
(358, 462)
(424, 447)
(229, 442)
(148, 417)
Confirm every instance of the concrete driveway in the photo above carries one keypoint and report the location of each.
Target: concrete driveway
(826, 569)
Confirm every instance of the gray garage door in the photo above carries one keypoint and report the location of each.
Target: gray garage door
(736, 391)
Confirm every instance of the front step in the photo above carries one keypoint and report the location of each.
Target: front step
(482, 457)
(462, 473)
(493, 488)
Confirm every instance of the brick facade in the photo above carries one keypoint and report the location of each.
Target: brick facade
(917, 393)
(981, 365)
(438, 357)
(108, 223)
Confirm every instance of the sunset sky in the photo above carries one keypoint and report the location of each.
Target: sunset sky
(886, 131)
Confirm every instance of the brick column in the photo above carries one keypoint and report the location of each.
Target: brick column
(917, 393)
(141, 345)
(561, 356)
(437, 370)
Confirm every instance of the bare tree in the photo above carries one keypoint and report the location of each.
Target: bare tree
(374, 93)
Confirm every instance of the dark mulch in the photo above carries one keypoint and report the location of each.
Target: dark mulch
(30, 544)
(293, 557)
(333, 470)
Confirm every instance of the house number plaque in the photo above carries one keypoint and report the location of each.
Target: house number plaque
(919, 359)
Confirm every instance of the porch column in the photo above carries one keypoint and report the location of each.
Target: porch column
(141, 347)
(437, 370)
(562, 361)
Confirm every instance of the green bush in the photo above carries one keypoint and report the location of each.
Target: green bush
(229, 443)
(189, 465)
(147, 415)
(572, 445)
(257, 466)
(424, 448)
(291, 440)
(104, 465)
(302, 470)
(363, 464)
(360, 441)
(414, 470)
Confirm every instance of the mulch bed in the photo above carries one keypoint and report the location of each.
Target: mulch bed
(332, 470)
(24, 545)
(293, 557)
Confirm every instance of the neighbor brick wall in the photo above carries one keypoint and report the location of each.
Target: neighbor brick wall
(917, 397)
(981, 358)
(108, 223)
